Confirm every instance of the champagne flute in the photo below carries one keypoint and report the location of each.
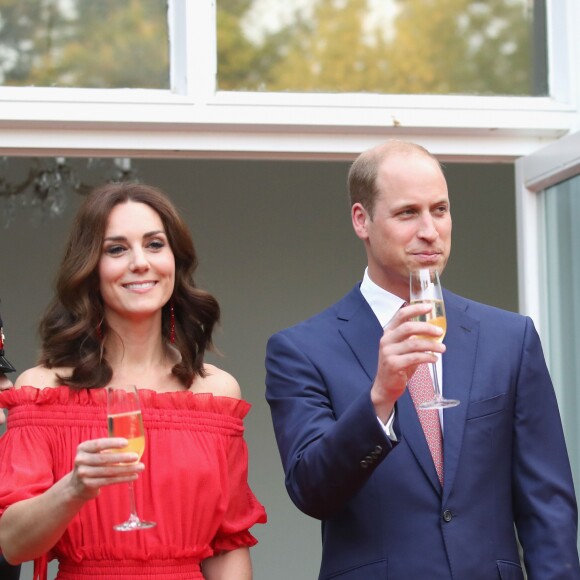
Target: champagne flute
(124, 420)
(426, 288)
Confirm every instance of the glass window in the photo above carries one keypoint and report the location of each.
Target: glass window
(562, 303)
(467, 47)
(84, 43)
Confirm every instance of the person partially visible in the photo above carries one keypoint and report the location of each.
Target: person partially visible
(126, 310)
(5, 383)
(5, 367)
(408, 494)
(7, 572)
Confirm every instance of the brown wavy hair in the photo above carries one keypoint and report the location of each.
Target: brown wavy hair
(73, 327)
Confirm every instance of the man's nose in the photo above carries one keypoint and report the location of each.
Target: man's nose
(427, 229)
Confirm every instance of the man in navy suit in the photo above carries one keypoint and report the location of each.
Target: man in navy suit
(352, 445)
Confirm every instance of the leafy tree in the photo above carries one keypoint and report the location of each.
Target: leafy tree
(327, 51)
(84, 43)
(429, 46)
(29, 32)
(244, 64)
(119, 44)
(460, 46)
(432, 47)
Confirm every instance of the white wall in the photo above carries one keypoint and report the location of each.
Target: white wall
(275, 246)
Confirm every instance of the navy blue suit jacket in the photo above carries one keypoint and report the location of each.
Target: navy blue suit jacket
(384, 514)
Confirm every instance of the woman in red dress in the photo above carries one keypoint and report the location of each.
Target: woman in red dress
(126, 310)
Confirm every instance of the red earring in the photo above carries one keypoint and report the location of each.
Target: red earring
(100, 331)
(171, 323)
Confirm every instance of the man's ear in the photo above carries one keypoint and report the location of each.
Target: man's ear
(360, 218)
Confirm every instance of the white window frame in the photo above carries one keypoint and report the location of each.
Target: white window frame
(535, 173)
(193, 119)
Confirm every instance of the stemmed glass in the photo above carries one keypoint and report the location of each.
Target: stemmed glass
(426, 288)
(124, 420)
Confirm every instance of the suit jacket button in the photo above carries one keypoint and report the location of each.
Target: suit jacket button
(447, 515)
(378, 450)
(364, 463)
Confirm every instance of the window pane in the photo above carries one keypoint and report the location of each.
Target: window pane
(486, 47)
(562, 276)
(84, 43)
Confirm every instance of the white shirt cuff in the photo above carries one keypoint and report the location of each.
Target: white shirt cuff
(388, 426)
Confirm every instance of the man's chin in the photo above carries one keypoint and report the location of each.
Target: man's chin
(438, 265)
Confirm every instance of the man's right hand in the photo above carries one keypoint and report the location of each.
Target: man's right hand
(401, 350)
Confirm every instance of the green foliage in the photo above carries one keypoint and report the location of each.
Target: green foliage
(461, 46)
(431, 46)
(87, 43)
(479, 47)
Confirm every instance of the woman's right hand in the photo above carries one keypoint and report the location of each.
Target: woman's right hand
(98, 463)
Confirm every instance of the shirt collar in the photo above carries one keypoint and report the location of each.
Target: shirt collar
(384, 304)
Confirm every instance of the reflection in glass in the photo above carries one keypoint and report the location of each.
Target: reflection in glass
(84, 43)
(561, 276)
(491, 47)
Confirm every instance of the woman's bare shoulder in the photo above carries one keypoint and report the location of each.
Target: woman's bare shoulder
(218, 382)
(40, 377)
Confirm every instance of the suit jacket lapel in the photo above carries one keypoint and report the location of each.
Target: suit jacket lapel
(411, 431)
(361, 330)
(458, 368)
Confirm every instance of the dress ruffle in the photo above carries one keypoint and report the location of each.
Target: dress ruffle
(172, 400)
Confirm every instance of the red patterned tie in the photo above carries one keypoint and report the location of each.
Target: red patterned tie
(421, 389)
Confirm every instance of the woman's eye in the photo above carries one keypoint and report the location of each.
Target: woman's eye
(156, 244)
(114, 250)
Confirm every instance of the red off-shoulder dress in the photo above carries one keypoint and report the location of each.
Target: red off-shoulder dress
(194, 484)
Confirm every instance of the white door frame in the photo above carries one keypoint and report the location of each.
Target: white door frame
(535, 173)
